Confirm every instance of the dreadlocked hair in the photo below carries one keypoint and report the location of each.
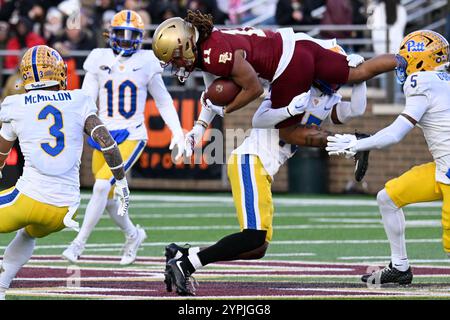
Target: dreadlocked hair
(202, 21)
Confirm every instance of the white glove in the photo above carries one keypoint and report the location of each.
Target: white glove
(354, 60)
(123, 193)
(299, 103)
(341, 144)
(177, 140)
(193, 137)
(208, 105)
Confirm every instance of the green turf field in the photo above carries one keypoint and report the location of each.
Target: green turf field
(332, 229)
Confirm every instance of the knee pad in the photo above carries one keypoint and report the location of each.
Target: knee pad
(384, 200)
(101, 187)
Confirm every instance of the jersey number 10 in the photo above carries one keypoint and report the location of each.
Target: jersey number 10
(122, 87)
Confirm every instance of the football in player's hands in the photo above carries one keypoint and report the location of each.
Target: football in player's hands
(222, 91)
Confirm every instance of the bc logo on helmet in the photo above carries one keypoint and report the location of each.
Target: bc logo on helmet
(413, 46)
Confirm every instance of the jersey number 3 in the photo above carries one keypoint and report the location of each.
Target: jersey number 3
(55, 130)
(133, 97)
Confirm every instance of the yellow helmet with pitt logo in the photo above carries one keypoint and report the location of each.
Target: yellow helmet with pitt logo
(127, 32)
(43, 67)
(423, 50)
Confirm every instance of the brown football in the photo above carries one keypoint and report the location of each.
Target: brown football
(222, 91)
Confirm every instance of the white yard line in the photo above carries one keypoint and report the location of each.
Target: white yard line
(197, 243)
(277, 201)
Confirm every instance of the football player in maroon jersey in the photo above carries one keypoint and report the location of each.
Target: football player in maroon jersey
(292, 62)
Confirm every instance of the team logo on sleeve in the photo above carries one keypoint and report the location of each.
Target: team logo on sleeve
(224, 57)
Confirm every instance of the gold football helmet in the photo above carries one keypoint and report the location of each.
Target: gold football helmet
(423, 50)
(42, 67)
(174, 42)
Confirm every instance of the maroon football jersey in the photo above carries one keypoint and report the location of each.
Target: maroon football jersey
(263, 49)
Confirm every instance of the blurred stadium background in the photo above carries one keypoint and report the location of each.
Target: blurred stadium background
(366, 27)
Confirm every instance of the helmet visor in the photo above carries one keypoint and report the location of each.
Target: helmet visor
(126, 38)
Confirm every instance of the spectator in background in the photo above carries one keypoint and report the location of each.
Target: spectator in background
(209, 7)
(387, 13)
(77, 39)
(4, 31)
(73, 79)
(296, 12)
(53, 27)
(24, 38)
(338, 12)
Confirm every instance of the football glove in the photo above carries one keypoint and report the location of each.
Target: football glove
(208, 105)
(123, 193)
(341, 144)
(361, 159)
(193, 137)
(177, 140)
(354, 60)
(299, 104)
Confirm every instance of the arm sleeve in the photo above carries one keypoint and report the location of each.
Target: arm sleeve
(164, 103)
(7, 132)
(266, 117)
(356, 107)
(90, 85)
(387, 136)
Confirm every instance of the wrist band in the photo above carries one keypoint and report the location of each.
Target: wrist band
(117, 167)
(202, 123)
(95, 128)
(5, 154)
(109, 148)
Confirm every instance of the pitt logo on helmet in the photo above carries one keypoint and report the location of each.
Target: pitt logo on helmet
(422, 50)
(127, 32)
(43, 67)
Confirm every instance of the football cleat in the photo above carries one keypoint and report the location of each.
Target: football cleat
(361, 159)
(389, 275)
(181, 277)
(132, 245)
(73, 252)
(173, 251)
(2, 295)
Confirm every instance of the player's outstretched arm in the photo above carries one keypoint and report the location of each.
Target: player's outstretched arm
(305, 135)
(372, 67)
(97, 130)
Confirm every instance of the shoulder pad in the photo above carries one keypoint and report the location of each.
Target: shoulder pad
(418, 83)
(95, 59)
(7, 107)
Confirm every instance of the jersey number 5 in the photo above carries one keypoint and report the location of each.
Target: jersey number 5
(133, 97)
(55, 130)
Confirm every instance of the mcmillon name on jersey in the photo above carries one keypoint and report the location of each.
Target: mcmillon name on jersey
(36, 98)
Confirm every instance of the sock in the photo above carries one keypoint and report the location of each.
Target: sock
(16, 255)
(394, 225)
(231, 246)
(195, 261)
(94, 210)
(123, 222)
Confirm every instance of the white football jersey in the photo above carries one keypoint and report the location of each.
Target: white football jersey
(435, 122)
(266, 143)
(49, 126)
(121, 87)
